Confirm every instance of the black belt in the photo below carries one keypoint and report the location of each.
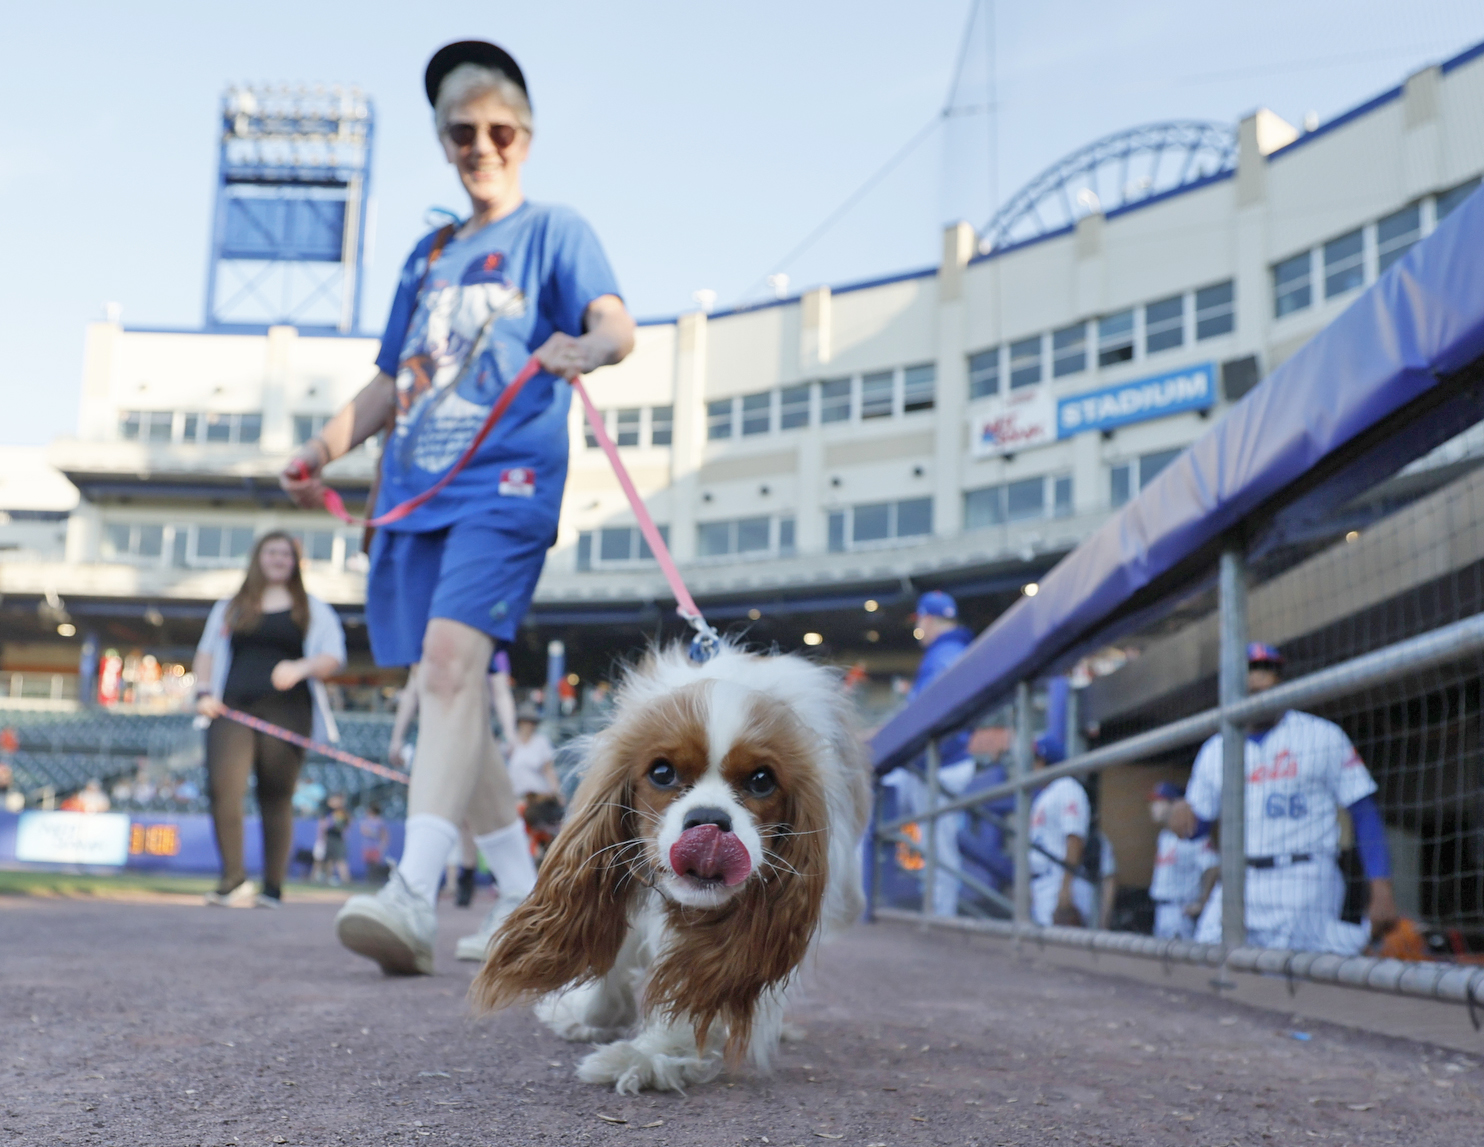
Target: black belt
(1278, 861)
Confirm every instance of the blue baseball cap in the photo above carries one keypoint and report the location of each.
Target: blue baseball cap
(1049, 749)
(1261, 653)
(1166, 791)
(936, 603)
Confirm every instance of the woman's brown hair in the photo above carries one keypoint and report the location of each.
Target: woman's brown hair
(246, 607)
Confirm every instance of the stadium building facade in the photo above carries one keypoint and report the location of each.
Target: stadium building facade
(816, 460)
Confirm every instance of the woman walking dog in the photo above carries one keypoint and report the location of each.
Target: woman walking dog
(266, 651)
(450, 582)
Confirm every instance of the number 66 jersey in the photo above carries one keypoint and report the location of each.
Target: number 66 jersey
(1299, 773)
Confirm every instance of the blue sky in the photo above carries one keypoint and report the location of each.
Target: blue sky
(703, 141)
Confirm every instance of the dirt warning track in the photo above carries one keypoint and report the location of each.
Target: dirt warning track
(161, 1023)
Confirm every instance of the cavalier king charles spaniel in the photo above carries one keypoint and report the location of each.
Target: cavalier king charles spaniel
(714, 839)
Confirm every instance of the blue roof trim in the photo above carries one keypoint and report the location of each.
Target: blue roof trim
(1462, 58)
(1339, 121)
(884, 281)
(1069, 229)
(1423, 318)
(1184, 188)
(246, 329)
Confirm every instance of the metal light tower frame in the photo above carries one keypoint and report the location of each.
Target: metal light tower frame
(1117, 171)
(288, 231)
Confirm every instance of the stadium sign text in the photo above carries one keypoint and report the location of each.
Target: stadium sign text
(73, 838)
(1019, 422)
(1193, 388)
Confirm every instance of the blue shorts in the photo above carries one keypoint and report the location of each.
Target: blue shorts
(480, 571)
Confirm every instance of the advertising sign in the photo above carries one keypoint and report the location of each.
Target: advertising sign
(73, 838)
(1193, 388)
(1018, 422)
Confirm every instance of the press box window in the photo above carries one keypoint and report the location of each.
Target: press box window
(882, 521)
(1291, 289)
(719, 419)
(793, 407)
(147, 425)
(785, 536)
(1344, 264)
(125, 542)
(1164, 324)
(1450, 199)
(661, 425)
(242, 429)
(1021, 501)
(218, 543)
(741, 536)
(1025, 363)
(1395, 235)
(834, 400)
(616, 544)
(1069, 350)
(918, 385)
(1116, 338)
(1213, 311)
(1128, 478)
(627, 427)
(984, 373)
(306, 426)
(876, 395)
(316, 545)
(757, 413)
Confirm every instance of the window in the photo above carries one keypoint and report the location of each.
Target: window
(757, 413)
(1062, 497)
(984, 373)
(1164, 324)
(876, 394)
(834, 400)
(719, 419)
(1021, 501)
(1395, 235)
(125, 542)
(244, 429)
(740, 536)
(918, 384)
(1025, 362)
(587, 429)
(627, 427)
(316, 545)
(1344, 264)
(1069, 350)
(785, 536)
(880, 522)
(793, 407)
(147, 425)
(306, 426)
(1213, 311)
(1116, 338)
(1128, 478)
(661, 425)
(1448, 200)
(615, 545)
(1291, 285)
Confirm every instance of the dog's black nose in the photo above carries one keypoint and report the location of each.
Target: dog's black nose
(705, 814)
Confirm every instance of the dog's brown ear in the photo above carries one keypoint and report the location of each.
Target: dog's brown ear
(723, 962)
(572, 925)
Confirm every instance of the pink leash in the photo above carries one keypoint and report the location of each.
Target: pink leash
(330, 751)
(706, 641)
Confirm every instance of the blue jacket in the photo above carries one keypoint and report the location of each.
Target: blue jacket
(943, 652)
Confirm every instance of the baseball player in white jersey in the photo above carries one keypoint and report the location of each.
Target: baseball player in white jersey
(1301, 770)
(1184, 870)
(1060, 818)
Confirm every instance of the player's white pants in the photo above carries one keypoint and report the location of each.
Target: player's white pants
(1171, 922)
(912, 798)
(1046, 890)
(1296, 907)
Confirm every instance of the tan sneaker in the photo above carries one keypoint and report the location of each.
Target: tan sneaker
(477, 946)
(395, 927)
(243, 896)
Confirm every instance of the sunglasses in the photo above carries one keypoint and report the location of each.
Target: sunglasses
(463, 135)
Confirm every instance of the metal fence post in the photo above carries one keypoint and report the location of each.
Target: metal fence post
(1022, 842)
(1232, 688)
(873, 854)
(930, 830)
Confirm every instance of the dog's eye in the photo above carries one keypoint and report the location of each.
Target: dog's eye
(760, 783)
(662, 774)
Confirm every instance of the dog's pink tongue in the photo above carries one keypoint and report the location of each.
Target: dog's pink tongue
(707, 852)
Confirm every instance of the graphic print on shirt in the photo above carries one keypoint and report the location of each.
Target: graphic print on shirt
(455, 363)
(1178, 867)
(1060, 810)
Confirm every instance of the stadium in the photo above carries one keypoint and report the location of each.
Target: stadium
(1177, 395)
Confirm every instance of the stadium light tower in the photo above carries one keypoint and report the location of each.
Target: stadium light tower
(289, 229)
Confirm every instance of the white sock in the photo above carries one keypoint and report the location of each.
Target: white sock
(507, 852)
(429, 842)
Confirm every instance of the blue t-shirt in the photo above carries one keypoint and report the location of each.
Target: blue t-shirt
(943, 652)
(490, 300)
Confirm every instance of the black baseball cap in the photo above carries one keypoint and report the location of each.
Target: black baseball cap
(450, 56)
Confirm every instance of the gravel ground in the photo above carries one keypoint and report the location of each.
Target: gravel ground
(160, 1023)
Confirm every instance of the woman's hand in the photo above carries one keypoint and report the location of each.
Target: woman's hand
(563, 355)
(209, 706)
(608, 339)
(287, 674)
(300, 477)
